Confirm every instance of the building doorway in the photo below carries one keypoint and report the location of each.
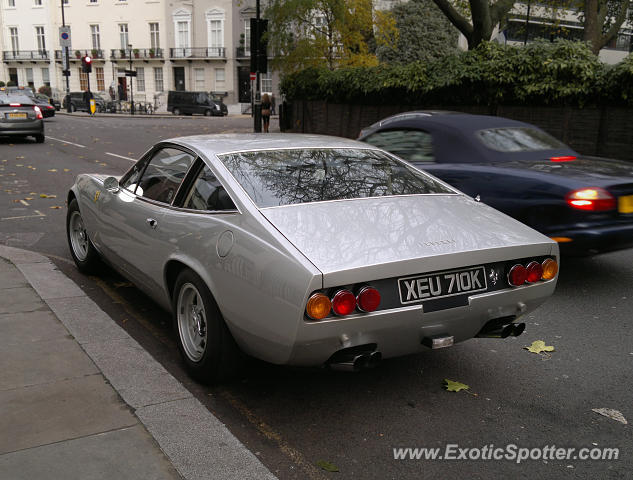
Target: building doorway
(179, 78)
(13, 76)
(244, 84)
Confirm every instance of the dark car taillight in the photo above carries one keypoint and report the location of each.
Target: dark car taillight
(594, 199)
(38, 112)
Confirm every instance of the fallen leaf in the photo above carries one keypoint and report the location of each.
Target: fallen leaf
(453, 386)
(55, 207)
(539, 346)
(28, 198)
(327, 466)
(43, 195)
(53, 170)
(122, 284)
(612, 414)
(66, 169)
(19, 165)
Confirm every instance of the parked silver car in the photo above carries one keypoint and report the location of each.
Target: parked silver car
(307, 250)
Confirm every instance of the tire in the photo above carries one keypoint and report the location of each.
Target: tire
(176, 111)
(40, 138)
(208, 113)
(81, 248)
(204, 341)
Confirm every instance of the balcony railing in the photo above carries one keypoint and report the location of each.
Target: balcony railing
(77, 54)
(141, 53)
(189, 53)
(242, 52)
(15, 55)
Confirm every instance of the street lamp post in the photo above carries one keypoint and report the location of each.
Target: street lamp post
(257, 114)
(66, 66)
(131, 91)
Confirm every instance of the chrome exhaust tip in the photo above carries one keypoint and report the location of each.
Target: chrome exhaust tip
(354, 361)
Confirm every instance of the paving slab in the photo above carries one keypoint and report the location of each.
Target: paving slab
(58, 411)
(138, 378)
(20, 299)
(49, 281)
(20, 328)
(126, 454)
(85, 320)
(17, 255)
(198, 444)
(10, 277)
(35, 363)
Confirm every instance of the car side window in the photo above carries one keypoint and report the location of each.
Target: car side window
(207, 193)
(130, 179)
(412, 145)
(164, 174)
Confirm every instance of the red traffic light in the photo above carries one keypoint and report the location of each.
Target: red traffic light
(86, 64)
(88, 59)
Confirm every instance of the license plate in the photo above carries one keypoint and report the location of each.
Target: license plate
(421, 288)
(625, 204)
(16, 115)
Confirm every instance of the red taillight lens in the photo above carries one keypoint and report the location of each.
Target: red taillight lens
(15, 104)
(534, 272)
(593, 199)
(568, 158)
(344, 302)
(38, 112)
(368, 299)
(518, 275)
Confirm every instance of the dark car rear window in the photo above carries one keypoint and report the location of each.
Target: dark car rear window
(8, 98)
(518, 139)
(285, 177)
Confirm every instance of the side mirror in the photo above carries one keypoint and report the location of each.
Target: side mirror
(111, 184)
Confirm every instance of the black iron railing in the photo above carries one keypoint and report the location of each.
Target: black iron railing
(205, 52)
(9, 55)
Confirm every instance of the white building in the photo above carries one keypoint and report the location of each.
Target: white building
(196, 45)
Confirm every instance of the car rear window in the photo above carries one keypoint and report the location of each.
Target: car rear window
(285, 177)
(8, 98)
(518, 139)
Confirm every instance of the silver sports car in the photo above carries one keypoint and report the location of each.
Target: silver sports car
(307, 250)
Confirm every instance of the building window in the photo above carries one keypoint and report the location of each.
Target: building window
(29, 77)
(38, 3)
(182, 40)
(140, 79)
(41, 39)
(95, 37)
(158, 79)
(219, 78)
(215, 30)
(94, 1)
(65, 2)
(154, 37)
(198, 75)
(46, 77)
(267, 82)
(100, 79)
(11, 3)
(123, 35)
(247, 37)
(83, 79)
(15, 44)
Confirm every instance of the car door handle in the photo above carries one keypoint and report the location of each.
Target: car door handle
(152, 223)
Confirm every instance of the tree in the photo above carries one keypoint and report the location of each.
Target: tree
(331, 33)
(602, 20)
(423, 34)
(476, 20)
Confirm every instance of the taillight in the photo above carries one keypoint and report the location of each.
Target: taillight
(368, 299)
(550, 269)
(594, 199)
(15, 104)
(343, 302)
(534, 272)
(568, 158)
(318, 307)
(38, 112)
(517, 276)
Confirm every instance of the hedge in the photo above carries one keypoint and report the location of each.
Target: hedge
(560, 73)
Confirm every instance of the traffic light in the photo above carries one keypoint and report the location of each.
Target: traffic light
(86, 64)
(259, 57)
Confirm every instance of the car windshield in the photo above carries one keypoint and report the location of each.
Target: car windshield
(518, 139)
(285, 177)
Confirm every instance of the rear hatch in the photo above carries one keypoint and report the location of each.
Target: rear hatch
(365, 239)
(17, 109)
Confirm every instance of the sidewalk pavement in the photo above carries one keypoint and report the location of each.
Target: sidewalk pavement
(81, 399)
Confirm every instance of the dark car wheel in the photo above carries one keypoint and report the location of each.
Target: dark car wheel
(176, 111)
(204, 340)
(81, 248)
(207, 113)
(73, 108)
(39, 138)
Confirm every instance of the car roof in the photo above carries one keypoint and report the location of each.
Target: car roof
(216, 144)
(463, 121)
(11, 97)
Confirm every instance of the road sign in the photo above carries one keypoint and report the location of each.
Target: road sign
(66, 73)
(253, 76)
(130, 73)
(64, 37)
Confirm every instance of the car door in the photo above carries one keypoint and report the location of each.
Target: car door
(131, 219)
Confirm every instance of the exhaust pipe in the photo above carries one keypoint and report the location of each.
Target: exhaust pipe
(356, 362)
(499, 329)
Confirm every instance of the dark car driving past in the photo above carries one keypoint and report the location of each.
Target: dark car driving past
(20, 116)
(188, 103)
(584, 203)
(44, 102)
(77, 102)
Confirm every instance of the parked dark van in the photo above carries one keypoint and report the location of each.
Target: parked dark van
(188, 103)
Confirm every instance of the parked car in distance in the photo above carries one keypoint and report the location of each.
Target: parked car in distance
(52, 101)
(188, 103)
(20, 116)
(307, 250)
(77, 102)
(584, 203)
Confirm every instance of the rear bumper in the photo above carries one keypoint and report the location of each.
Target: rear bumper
(32, 127)
(588, 241)
(400, 331)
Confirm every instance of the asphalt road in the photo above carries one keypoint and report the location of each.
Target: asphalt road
(294, 418)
